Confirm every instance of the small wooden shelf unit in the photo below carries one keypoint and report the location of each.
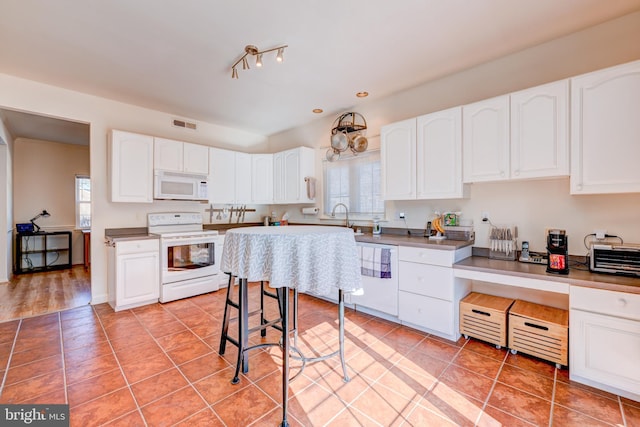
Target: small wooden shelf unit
(485, 317)
(540, 331)
(42, 251)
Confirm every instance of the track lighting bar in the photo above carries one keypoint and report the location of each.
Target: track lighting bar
(252, 50)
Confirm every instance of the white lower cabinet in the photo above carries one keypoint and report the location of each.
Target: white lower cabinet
(429, 313)
(429, 294)
(133, 273)
(604, 339)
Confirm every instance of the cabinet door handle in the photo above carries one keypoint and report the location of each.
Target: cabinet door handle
(484, 313)
(622, 302)
(533, 325)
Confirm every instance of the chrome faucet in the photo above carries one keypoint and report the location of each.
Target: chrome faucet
(346, 210)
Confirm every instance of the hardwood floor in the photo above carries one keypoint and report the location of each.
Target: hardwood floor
(32, 294)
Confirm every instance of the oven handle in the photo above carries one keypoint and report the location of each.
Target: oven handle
(178, 241)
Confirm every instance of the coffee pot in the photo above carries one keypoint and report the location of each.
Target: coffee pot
(557, 252)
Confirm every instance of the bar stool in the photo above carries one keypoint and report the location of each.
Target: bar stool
(242, 305)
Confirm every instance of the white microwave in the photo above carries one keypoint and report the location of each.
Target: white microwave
(180, 186)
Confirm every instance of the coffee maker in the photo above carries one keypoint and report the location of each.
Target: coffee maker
(557, 252)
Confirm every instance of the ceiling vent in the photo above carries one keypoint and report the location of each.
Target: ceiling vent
(182, 124)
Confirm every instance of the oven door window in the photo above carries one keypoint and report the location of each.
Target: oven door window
(190, 256)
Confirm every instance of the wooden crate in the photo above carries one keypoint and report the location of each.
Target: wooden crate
(485, 317)
(540, 331)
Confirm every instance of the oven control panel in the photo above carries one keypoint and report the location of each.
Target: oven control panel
(173, 218)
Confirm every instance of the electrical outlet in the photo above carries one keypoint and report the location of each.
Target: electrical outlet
(401, 215)
(600, 234)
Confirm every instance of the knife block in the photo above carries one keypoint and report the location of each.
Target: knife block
(500, 246)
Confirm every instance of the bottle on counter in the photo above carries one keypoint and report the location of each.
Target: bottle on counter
(376, 226)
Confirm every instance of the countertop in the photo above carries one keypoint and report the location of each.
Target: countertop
(575, 277)
(416, 241)
(124, 234)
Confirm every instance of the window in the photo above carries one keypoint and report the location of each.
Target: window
(83, 202)
(354, 181)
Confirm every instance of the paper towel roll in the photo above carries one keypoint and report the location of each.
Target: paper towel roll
(310, 211)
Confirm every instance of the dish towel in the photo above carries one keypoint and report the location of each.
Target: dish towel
(311, 187)
(375, 262)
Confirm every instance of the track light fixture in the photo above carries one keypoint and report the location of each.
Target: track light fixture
(254, 51)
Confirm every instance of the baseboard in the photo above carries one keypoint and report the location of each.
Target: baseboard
(99, 299)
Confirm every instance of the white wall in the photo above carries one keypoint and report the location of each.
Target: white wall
(531, 205)
(44, 178)
(6, 218)
(102, 115)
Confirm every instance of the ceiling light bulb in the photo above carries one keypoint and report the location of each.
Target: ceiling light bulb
(245, 63)
(259, 60)
(234, 73)
(279, 56)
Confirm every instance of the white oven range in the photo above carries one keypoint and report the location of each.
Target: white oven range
(189, 262)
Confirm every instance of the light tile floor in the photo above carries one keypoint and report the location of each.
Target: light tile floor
(159, 365)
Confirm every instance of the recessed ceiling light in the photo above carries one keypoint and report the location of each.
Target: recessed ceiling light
(362, 94)
(318, 110)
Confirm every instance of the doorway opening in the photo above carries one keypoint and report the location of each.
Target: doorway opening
(46, 157)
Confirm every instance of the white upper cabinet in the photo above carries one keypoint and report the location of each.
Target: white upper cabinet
(422, 157)
(486, 140)
(439, 155)
(398, 160)
(540, 131)
(178, 156)
(605, 131)
(290, 170)
(222, 175)
(243, 178)
(518, 136)
(256, 178)
(167, 155)
(262, 178)
(130, 167)
(196, 158)
(230, 177)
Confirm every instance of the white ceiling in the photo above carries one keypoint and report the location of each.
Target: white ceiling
(176, 55)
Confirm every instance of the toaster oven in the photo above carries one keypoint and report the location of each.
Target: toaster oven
(615, 259)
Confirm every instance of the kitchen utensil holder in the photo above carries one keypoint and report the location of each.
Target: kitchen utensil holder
(502, 242)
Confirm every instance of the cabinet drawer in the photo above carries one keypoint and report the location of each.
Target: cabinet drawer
(619, 304)
(137, 246)
(427, 280)
(430, 313)
(427, 256)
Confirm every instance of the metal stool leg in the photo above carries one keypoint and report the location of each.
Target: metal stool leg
(263, 321)
(283, 294)
(243, 321)
(341, 334)
(225, 319)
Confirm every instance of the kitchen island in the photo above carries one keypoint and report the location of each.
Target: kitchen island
(306, 258)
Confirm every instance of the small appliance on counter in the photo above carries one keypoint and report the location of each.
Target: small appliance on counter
(531, 257)
(557, 252)
(621, 259)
